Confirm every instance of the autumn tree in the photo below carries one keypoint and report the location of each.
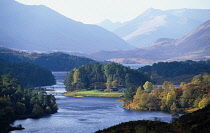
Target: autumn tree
(184, 101)
(148, 86)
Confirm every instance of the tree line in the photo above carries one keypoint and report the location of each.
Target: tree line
(29, 75)
(104, 77)
(56, 61)
(193, 95)
(16, 102)
(175, 71)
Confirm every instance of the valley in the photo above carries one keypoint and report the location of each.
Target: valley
(145, 73)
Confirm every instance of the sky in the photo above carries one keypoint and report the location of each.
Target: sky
(95, 11)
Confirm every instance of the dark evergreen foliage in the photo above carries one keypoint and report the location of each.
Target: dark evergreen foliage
(196, 122)
(16, 103)
(54, 61)
(176, 72)
(101, 77)
(28, 74)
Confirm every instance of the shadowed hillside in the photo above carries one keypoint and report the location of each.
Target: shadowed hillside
(196, 122)
(38, 27)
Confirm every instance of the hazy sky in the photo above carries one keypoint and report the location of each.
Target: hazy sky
(94, 11)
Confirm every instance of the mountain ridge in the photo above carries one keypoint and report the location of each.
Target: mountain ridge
(36, 27)
(194, 46)
(155, 23)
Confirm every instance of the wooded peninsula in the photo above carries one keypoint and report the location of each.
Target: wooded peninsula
(19, 103)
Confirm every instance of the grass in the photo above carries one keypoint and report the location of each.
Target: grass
(94, 93)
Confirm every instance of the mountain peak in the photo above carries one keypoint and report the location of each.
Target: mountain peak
(152, 11)
(152, 24)
(9, 2)
(27, 27)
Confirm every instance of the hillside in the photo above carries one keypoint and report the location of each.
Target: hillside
(53, 61)
(39, 28)
(194, 46)
(176, 72)
(196, 122)
(196, 43)
(28, 74)
(152, 24)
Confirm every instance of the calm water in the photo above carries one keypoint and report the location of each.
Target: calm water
(136, 66)
(84, 115)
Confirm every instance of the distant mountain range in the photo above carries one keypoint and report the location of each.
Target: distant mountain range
(38, 28)
(154, 24)
(159, 34)
(193, 46)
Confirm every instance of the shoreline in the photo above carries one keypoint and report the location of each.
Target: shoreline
(94, 93)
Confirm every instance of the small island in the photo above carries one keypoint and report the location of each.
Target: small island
(97, 80)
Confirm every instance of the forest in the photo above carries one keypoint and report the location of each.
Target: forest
(28, 74)
(188, 97)
(104, 77)
(56, 61)
(18, 103)
(176, 72)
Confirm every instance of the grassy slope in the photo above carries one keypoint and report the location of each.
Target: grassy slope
(94, 93)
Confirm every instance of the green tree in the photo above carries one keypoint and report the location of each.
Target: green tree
(171, 98)
(76, 76)
(197, 79)
(148, 86)
(137, 97)
(115, 83)
(167, 86)
(152, 103)
(129, 94)
(196, 102)
(40, 98)
(182, 84)
(37, 110)
(144, 100)
(7, 78)
(186, 96)
(109, 83)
